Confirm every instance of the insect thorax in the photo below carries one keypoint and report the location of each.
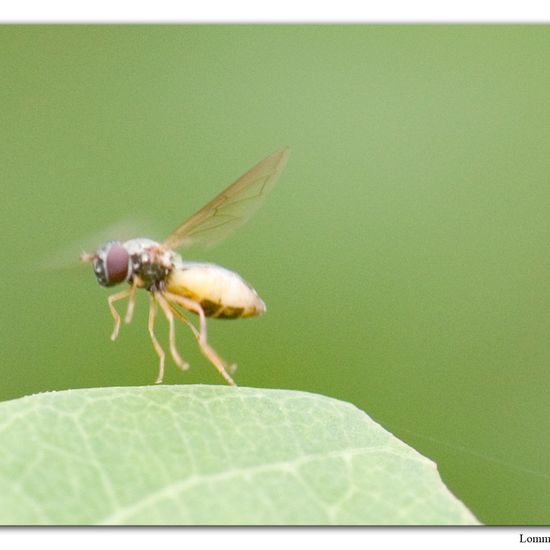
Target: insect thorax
(150, 262)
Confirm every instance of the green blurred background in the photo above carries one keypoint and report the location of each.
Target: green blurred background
(403, 256)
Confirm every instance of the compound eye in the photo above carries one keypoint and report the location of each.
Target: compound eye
(116, 264)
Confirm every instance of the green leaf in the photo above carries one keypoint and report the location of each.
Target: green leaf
(209, 455)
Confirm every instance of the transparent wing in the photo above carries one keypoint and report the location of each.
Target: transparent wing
(232, 207)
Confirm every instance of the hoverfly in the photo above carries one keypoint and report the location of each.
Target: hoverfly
(205, 289)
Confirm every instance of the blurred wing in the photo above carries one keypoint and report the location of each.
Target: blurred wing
(67, 257)
(232, 207)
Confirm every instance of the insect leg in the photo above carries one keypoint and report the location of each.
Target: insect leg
(206, 349)
(131, 303)
(111, 300)
(231, 368)
(156, 345)
(172, 332)
(183, 318)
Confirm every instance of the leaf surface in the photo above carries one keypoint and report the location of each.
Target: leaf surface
(210, 455)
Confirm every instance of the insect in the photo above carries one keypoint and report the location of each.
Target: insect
(178, 286)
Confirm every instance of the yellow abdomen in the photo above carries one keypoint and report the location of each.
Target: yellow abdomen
(221, 293)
